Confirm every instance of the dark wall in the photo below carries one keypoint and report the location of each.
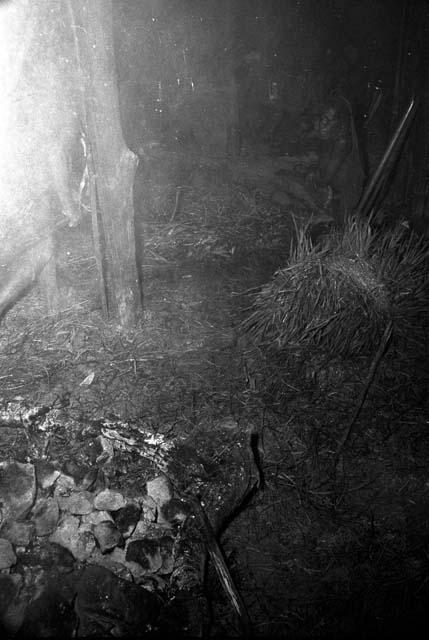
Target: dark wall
(191, 69)
(175, 72)
(308, 48)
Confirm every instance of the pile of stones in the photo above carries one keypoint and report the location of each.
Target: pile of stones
(78, 558)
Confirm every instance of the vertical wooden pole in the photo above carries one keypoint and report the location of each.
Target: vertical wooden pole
(114, 164)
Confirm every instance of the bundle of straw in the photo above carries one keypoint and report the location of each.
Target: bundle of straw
(339, 297)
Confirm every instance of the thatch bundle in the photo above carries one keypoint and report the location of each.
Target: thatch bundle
(339, 296)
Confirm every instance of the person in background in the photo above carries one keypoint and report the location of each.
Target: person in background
(339, 164)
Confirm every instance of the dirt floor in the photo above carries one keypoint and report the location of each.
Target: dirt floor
(325, 546)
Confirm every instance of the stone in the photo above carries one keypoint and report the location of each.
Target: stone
(126, 519)
(108, 562)
(12, 605)
(46, 474)
(141, 530)
(110, 606)
(75, 471)
(107, 450)
(46, 514)
(55, 556)
(160, 490)
(64, 487)
(90, 479)
(101, 482)
(78, 503)
(95, 517)
(79, 543)
(17, 489)
(9, 587)
(136, 570)
(166, 546)
(118, 555)
(175, 511)
(7, 554)
(12, 620)
(50, 615)
(109, 500)
(149, 509)
(47, 556)
(146, 553)
(19, 534)
(107, 536)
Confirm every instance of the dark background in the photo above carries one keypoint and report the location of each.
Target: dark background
(217, 77)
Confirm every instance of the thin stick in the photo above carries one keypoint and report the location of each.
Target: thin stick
(177, 203)
(222, 570)
(374, 366)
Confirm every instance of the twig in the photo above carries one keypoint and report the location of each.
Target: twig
(177, 203)
(222, 569)
(374, 365)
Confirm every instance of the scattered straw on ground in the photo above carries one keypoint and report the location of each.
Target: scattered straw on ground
(225, 225)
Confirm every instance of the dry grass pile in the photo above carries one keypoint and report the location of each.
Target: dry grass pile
(338, 297)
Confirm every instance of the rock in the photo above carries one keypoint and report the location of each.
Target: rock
(108, 562)
(50, 615)
(107, 536)
(160, 490)
(149, 509)
(64, 487)
(107, 450)
(146, 553)
(11, 621)
(9, 587)
(78, 504)
(101, 482)
(89, 480)
(80, 543)
(75, 471)
(174, 511)
(166, 545)
(118, 555)
(109, 500)
(52, 558)
(45, 516)
(141, 530)
(12, 606)
(95, 517)
(126, 519)
(7, 554)
(109, 606)
(17, 489)
(136, 570)
(18, 533)
(46, 474)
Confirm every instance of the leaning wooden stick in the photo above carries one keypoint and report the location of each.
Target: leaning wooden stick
(366, 205)
(374, 366)
(222, 570)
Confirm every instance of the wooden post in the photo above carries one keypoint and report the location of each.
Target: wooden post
(114, 164)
